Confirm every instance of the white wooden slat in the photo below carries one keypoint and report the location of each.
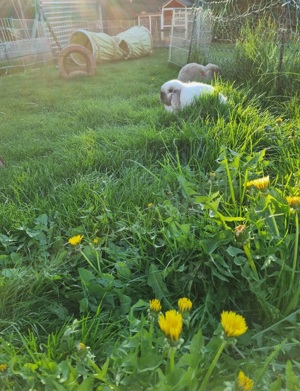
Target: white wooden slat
(70, 9)
(68, 2)
(63, 17)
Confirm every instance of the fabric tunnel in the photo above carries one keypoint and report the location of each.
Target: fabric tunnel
(132, 43)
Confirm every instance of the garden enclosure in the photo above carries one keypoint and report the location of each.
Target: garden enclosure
(22, 44)
(35, 42)
(210, 32)
(213, 32)
(32, 43)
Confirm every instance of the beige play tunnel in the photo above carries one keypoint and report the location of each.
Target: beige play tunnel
(132, 43)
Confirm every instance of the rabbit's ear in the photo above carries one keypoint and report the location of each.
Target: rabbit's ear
(175, 99)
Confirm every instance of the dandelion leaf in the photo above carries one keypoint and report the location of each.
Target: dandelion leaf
(292, 381)
(156, 282)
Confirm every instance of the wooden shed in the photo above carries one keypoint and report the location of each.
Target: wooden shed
(168, 8)
(158, 18)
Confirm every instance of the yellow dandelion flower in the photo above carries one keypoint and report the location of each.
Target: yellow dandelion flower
(171, 324)
(233, 324)
(96, 241)
(184, 305)
(155, 305)
(75, 240)
(3, 367)
(150, 205)
(293, 201)
(260, 183)
(279, 120)
(244, 382)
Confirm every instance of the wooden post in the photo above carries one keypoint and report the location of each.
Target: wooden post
(282, 35)
(282, 41)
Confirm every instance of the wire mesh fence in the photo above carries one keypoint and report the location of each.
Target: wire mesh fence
(30, 43)
(212, 33)
(62, 18)
(59, 32)
(14, 29)
(209, 33)
(191, 30)
(114, 27)
(22, 45)
(153, 22)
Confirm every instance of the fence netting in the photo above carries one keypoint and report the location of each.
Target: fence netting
(23, 44)
(213, 31)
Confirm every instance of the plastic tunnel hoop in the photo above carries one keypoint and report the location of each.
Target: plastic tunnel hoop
(88, 65)
(102, 46)
(132, 43)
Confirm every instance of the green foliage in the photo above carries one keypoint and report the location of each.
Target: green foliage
(268, 56)
(157, 200)
(78, 371)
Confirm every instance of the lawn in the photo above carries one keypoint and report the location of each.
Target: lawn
(142, 250)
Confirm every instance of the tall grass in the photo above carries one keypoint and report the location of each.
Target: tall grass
(158, 200)
(269, 57)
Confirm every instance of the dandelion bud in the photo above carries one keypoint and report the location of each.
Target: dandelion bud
(3, 367)
(241, 234)
(293, 201)
(184, 305)
(82, 350)
(155, 308)
(81, 346)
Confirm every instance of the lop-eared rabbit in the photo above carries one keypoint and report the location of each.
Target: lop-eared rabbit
(196, 72)
(175, 95)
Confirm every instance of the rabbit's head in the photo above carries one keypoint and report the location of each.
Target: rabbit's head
(212, 71)
(170, 94)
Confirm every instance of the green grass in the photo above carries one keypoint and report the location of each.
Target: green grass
(157, 198)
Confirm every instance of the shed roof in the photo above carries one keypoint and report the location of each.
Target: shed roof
(185, 3)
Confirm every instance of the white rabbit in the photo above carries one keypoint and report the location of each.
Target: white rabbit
(194, 71)
(175, 94)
